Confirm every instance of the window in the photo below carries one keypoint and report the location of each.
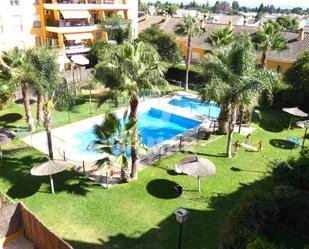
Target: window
(195, 56)
(14, 2)
(37, 24)
(38, 41)
(16, 24)
(279, 69)
(98, 36)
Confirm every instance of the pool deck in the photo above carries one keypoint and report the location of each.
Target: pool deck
(63, 136)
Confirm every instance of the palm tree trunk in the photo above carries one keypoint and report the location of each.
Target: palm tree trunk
(188, 61)
(232, 119)
(263, 60)
(26, 100)
(48, 127)
(223, 120)
(134, 118)
(39, 112)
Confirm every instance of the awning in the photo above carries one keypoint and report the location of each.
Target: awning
(78, 37)
(80, 60)
(75, 14)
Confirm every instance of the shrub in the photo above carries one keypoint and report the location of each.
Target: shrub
(294, 172)
(261, 243)
(178, 73)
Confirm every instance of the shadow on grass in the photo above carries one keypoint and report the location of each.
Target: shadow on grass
(271, 119)
(203, 229)
(235, 169)
(282, 144)
(10, 118)
(203, 154)
(162, 188)
(15, 168)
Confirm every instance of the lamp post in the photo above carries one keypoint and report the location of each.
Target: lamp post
(181, 217)
(306, 126)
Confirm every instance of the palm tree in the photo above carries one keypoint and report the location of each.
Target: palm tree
(114, 136)
(17, 69)
(235, 82)
(268, 38)
(133, 68)
(48, 82)
(189, 26)
(221, 37)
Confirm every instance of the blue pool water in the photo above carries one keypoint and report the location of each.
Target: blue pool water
(155, 126)
(197, 106)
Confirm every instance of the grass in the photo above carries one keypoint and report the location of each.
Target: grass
(12, 117)
(140, 214)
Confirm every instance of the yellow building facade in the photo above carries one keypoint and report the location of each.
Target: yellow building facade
(64, 24)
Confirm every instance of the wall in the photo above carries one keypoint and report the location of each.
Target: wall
(16, 24)
(197, 55)
(274, 64)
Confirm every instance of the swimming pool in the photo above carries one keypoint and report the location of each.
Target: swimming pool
(155, 126)
(196, 105)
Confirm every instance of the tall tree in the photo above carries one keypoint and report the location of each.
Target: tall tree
(165, 44)
(297, 78)
(17, 69)
(48, 81)
(189, 26)
(133, 67)
(267, 38)
(114, 136)
(235, 5)
(117, 28)
(221, 37)
(234, 81)
(287, 22)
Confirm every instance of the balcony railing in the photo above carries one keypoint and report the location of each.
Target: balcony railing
(71, 22)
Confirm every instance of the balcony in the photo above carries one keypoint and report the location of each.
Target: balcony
(91, 5)
(71, 25)
(76, 49)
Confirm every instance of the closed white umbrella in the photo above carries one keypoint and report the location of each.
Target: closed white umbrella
(197, 166)
(5, 138)
(49, 168)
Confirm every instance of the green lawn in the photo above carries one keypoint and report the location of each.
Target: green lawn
(140, 214)
(13, 118)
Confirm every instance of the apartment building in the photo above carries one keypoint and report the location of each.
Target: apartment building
(64, 24)
(19, 22)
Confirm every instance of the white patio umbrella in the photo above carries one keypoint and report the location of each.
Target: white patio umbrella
(197, 166)
(294, 111)
(304, 125)
(49, 168)
(5, 138)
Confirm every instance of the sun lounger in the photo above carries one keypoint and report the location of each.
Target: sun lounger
(249, 147)
(294, 140)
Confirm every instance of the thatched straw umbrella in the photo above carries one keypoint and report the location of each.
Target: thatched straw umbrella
(49, 168)
(295, 111)
(197, 166)
(5, 138)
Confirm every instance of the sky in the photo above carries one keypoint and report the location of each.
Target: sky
(251, 3)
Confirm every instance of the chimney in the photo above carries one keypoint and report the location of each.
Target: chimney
(230, 25)
(202, 23)
(301, 35)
